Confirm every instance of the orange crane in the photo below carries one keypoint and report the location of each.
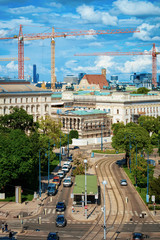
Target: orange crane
(12, 59)
(36, 36)
(154, 54)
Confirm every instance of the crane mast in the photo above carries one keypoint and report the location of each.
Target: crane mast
(153, 53)
(37, 36)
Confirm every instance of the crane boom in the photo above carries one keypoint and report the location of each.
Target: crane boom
(153, 53)
(37, 36)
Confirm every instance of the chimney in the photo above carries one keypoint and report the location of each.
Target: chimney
(104, 72)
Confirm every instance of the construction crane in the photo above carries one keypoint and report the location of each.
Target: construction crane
(37, 36)
(154, 54)
(12, 59)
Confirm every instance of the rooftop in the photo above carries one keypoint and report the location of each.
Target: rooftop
(85, 112)
(79, 187)
(96, 79)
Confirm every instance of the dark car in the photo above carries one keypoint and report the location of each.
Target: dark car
(76, 147)
(53, 236)
(60, 221)
(60, 207)
(137, 236)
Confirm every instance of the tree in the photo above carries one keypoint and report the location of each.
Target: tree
(18, 119)
(126, 139)
(78, 159)
(73, 134)
(117, 126)
(147, 122)
(50, 127)
(141, 90)
(154, 188)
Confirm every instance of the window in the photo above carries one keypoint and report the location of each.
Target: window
(117, 111)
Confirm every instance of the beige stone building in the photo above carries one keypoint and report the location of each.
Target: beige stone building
(88, 123)
(34, 100)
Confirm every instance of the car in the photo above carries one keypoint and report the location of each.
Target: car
(67, 164)
(76, 147)
(72, 173)
(60, 207)
(57, 180)
(61, 221)
(52, 189)
(53, 236)
(137, 236)
(123, 182)
(60, 174)
(65, 169)
(67, 182)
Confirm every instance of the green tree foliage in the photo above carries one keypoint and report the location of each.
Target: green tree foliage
(117, 126)
(141, 90)
(18, 119)
(126, 139)
(154, 189)
(73, 134)
(147, 122)
(50, 127)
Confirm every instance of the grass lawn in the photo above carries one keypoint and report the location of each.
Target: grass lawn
(27, 197)
(107, 151)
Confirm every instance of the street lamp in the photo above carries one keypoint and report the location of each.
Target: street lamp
(101, 138)
(85, 162)
(40, 171)
(104, 210)
(49, 160)
(136, 164)
(60, 152)
(147, 196)
(130, 146)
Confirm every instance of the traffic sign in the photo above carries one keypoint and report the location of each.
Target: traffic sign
(153, 198)
(85, 207)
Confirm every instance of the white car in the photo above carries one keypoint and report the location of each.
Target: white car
(67, 164)
(65, 169)
(67, 182)
(123, 182)
(60, 174)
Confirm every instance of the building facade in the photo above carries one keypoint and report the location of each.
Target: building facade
(35, 101)
(88, 123)
(121, 106)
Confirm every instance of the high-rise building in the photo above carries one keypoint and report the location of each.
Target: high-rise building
(34, 74)
(142, 80)
(114, 79)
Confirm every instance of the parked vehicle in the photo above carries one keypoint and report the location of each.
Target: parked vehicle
(60, 174)
(65, 169)
(52, 189)
(137, 236)
(61, 221)
(53, 236)
(67, 164)
(60, 207)
(76, 147)
(57, 180)
(123, 182)
(67, 182)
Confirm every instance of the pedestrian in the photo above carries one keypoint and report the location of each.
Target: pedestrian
(10, 234)
(2, 227)
(6, 227)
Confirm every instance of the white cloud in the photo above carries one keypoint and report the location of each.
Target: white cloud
(98, 64)
(28, 9)
(137, 8)
(55, 5)
(88, 14)
(137, 64)
(95, 44)
(12, 67)
(146, 32)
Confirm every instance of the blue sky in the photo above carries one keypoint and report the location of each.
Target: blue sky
(41, 16)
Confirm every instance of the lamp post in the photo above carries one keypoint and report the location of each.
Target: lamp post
(130, 146)
(147, 196)
(104, 209)
(48, 160)
(60, 152)
(85, 162)
(68, 144)
(40, 171)
(101, 138)
(136, 164)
